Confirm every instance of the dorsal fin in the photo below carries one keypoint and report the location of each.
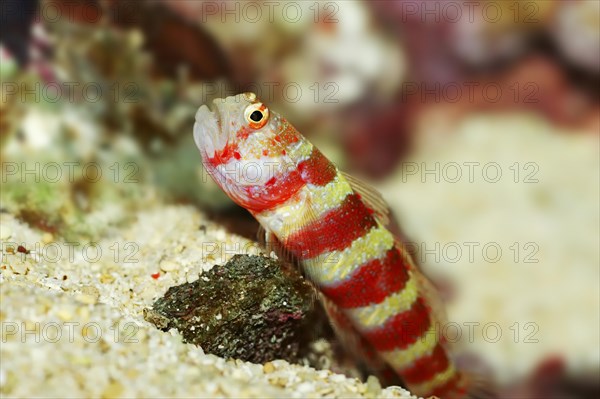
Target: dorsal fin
(371, 198)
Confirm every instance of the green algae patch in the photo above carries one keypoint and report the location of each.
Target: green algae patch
(252, 308)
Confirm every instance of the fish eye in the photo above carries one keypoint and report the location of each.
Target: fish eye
(256, 115)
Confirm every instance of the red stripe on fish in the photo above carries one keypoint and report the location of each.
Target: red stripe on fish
(323, 235)
(402, 330)
(426, 367)
(278, 190)
(371, 283)
(317, 169)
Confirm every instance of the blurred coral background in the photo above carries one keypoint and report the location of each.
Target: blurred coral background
(382, 88)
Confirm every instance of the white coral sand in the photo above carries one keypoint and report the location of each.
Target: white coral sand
(73, 325)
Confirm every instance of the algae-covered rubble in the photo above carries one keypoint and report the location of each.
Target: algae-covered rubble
(252, 308)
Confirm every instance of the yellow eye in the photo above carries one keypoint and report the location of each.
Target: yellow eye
(256, 115)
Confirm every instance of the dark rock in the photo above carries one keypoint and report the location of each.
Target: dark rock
(252, 308)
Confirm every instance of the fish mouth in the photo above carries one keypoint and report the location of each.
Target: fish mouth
(212, 128)
(207, 130)
(209, 139)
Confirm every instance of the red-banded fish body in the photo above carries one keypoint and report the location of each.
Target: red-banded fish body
(335, 228)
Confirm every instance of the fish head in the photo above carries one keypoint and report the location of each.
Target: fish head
(240, 141)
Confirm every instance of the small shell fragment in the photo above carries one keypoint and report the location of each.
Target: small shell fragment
(168, 266)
